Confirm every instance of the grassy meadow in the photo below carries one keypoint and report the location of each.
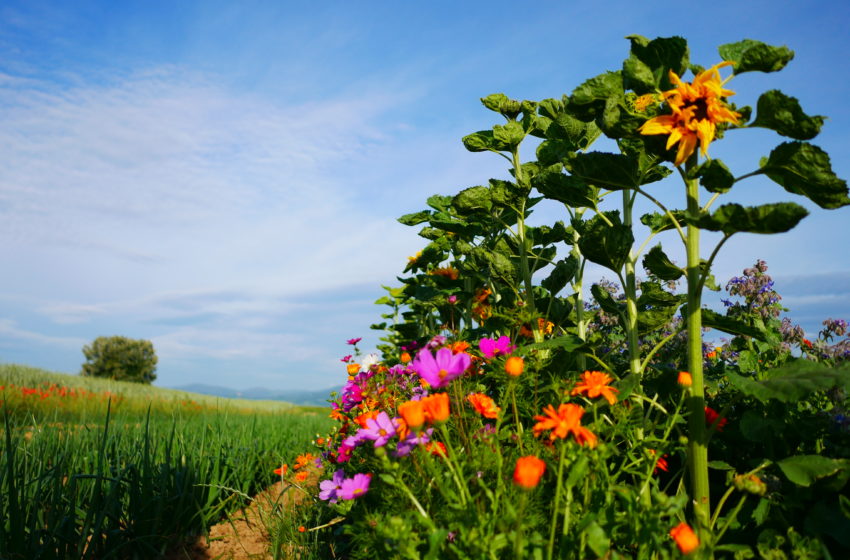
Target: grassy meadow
(93, 468)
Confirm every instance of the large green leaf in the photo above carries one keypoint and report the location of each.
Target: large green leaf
(588, 99)
(730, 325)
(804, 470)
(472, 199)
(749, 55)
(658, 222)
(415, 218)
(659, 264)
(605, 170)
(606, 301)
(793, 382)
(564, 271)
(783, 114)
(648, 66)
(606, 245)
(767, 218)
(485, 140)
(804, 169)
(715, 177)
(510, 134)
(571, 190)
(656, 307)
(501, 103)
(568, 342)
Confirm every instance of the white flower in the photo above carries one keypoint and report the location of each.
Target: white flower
(368, 361)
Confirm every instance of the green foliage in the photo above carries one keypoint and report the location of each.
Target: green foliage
(783, 114)
(749, 56)
(804, 169)
(120, 358)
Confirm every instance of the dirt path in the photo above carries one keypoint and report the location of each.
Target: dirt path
(244, 535)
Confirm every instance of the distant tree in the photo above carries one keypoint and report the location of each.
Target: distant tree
(120, 358)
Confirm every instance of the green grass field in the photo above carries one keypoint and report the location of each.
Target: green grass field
(92, 468)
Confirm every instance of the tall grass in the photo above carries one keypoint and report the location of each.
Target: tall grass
(123, 474)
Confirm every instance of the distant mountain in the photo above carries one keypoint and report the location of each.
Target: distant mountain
(303, 398)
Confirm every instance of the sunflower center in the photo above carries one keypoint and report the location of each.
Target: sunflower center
(700, 108)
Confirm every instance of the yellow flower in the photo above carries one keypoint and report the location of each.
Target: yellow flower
(697, 108)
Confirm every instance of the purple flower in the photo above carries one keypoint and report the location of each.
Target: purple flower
(379, 429)
(353, 341)
(406, 445)
(492, 348)
(440, 371)
(354, 487)
(329, 489)
(345, 359)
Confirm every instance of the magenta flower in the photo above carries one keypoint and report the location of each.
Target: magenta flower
(379, 429)
(354, 487)
(492, 348)
(345, 359)
(329, 489)
(353, 341)
(439, 371)
(452, 300)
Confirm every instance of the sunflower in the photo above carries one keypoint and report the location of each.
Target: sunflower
(697, 108)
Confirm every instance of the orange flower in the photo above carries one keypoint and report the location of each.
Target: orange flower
(514, 366)
(446, 272)
(303, 460)
(361, 420)
(405, 357)
(436, 407)
(302, 476)
(661, 463)
(302, 529)
(436, 448)
(545, 326)
(460, 346)
(484, 405)
(528, 471)
(352, 369)
(685, 379)
(696, 110)
(413, 413)
(685, 538)
(282, 470)
(594, 384)
(566, 420)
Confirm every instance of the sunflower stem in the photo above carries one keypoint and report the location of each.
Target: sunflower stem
(697, 442)
(630, 289)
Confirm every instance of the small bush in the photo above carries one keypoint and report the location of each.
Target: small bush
(120, 358)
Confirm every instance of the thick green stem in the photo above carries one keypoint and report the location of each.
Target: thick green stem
(523, 243)
(578, 287)
(697, 440)
(630, 288)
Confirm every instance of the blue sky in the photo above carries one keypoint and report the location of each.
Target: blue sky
(223, 178)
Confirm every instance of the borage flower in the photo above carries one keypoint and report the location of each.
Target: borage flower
(696, 110)
(354, 487)
(483, 405)
(499, 347)
(595, 384)
(439, 371)
(563, 422)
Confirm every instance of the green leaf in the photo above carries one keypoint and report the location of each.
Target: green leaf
(563, 272)
(783, 113)
(577, 134)
(572, 191)
(606, 245)
(439, 202)
(485, 140)
(804, 470)
(804, 169)
(606, 301)
(767, 218)
(715, 176)
(656, 307)
(714, 320)
(567, 342)
(749, 55)
(648, 66)
(472, 199)
(793, 382)
(510, 134)
(588, 99)
(415, 218)
(501, 103)
(659, 264)
(597, 540)
(605, 170)
(720, 466)
(658, 222)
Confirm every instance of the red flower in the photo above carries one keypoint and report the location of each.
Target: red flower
(711, 416)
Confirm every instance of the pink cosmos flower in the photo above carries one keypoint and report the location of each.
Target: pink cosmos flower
(354, 487)
(492, 348)
(353, 341)
(345, 359)
(439, 371)
(379, 429)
